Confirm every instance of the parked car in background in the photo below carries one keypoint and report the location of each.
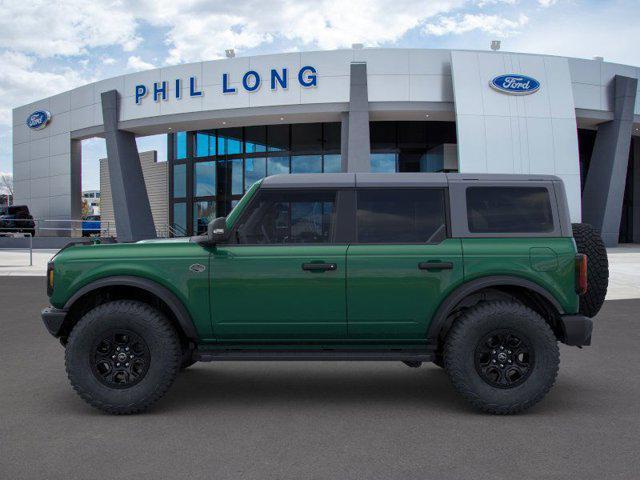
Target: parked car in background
(17, 219)
(91, 225)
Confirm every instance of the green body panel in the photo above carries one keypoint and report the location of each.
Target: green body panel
(548, 262)
(389, 297)
(260, 297)
(263, 292)
(164, 262)
(242, 204)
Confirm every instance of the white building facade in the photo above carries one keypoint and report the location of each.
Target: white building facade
(476, 111)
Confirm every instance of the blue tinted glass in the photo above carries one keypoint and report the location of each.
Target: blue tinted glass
(205, 144)
(276, 165)
(180, 219)
(254, 170)
(229, 141)
(204, 179)
(236, 177)
(383, 162)
(255, 139)
(332, 163)
(179, 180)
(306, 164)
(203, 213)
(181, 145)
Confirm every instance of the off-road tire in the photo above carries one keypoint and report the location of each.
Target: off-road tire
(164, 356)
(589, 242)
(470, 330)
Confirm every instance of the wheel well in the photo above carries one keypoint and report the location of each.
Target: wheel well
(109, 293)
(526, 296)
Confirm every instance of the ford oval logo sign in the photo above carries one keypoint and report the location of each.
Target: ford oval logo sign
(515, 84)
(38, 119)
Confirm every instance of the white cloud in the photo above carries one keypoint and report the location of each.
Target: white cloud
(17, 85)
(491, 24)
(601, 33)
(203, 30)
(46, 29)
(547, 3)
(136, 63)
(484, 3)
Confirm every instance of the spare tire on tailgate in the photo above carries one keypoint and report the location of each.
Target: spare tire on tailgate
(589, 242)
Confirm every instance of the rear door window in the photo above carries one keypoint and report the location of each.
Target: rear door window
(509, 210)
(401, 215)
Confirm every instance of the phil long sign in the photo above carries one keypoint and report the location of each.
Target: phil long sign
(251, 81)
(515, 84)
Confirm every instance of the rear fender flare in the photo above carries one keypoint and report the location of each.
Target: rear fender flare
(439, 320)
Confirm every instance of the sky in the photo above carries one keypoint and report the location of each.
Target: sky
(50, 47)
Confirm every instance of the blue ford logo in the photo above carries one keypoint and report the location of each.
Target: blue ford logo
(38, 119)
(515, 84)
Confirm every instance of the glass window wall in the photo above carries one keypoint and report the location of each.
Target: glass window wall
(403, 146)
(212, 169)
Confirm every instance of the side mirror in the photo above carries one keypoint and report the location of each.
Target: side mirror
(217, 230)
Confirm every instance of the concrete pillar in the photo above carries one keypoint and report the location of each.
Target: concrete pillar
(130, 201)
(604, 188)
(635, 152)
(358, 146)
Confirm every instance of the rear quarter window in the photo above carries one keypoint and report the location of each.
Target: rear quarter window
(509, 210)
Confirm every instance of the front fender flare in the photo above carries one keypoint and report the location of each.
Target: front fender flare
(440, 318)
(173, 302)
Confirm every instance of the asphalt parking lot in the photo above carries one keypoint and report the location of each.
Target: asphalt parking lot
(316, 420)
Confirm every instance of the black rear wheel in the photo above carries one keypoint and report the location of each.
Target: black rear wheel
(501, 356)
(122, 356)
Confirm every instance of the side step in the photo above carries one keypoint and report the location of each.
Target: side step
(311, 355)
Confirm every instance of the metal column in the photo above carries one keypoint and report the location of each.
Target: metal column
(604, 188)
(130, 201)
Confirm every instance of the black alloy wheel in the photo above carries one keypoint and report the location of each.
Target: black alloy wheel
(120, 359)
(504, 358)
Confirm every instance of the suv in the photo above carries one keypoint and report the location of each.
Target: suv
(17, 219)
(478, 274)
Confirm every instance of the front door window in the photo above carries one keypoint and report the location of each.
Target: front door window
(279, 218)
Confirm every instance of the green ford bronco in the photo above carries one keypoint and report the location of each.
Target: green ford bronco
(481, 274)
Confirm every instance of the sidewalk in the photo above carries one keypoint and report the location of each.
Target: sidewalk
(624, 267)
(15, 261)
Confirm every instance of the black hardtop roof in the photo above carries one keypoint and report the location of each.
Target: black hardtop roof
(345, 180)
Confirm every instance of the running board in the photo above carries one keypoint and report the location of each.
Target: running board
(311, 355)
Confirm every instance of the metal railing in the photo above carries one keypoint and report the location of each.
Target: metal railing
(21, 235)
(77, 228)
(67, 227)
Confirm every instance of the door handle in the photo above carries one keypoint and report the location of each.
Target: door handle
(435, 265)
(319, 267)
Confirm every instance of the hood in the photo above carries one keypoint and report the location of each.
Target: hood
(167, 240)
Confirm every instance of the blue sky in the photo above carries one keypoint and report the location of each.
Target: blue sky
(50, 47)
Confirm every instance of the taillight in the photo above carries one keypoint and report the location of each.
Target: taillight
(581, 274)
(49, 278)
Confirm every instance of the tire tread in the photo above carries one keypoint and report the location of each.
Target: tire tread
(164, 329)
(458, 336)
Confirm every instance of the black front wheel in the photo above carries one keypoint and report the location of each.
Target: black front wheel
(122, 356)
(502, 357)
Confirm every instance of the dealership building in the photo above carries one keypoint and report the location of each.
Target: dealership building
(231, 122)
